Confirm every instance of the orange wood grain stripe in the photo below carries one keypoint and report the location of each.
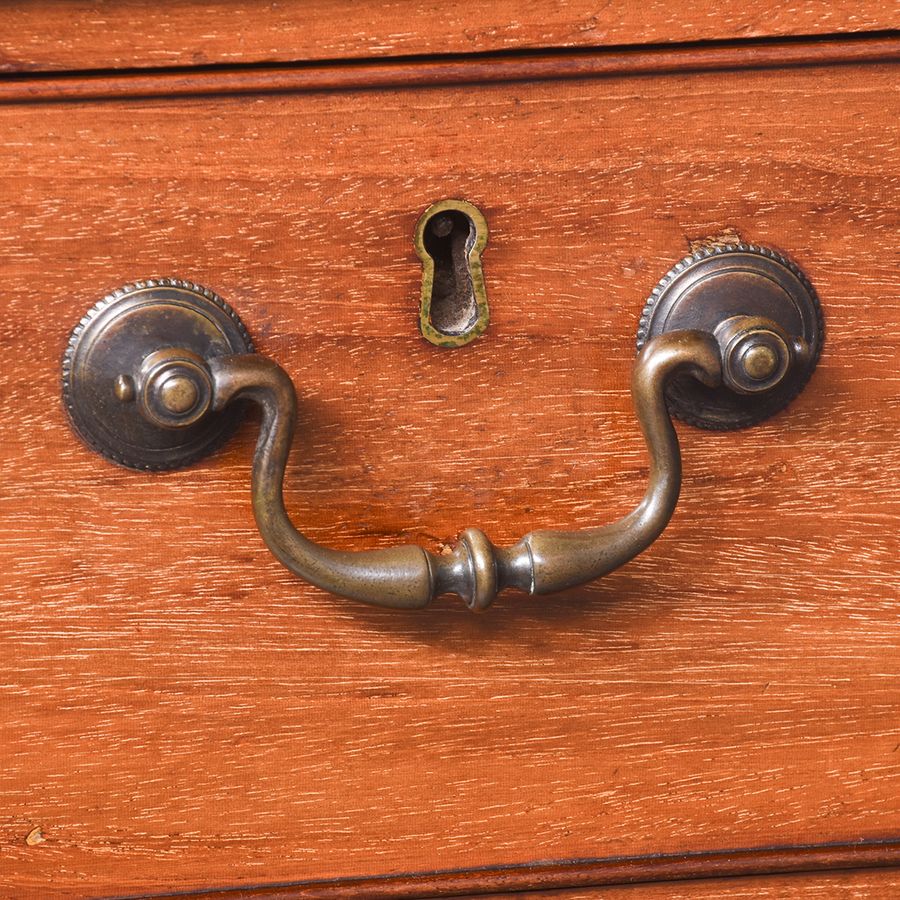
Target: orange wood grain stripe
(64, 35)
(448, 71)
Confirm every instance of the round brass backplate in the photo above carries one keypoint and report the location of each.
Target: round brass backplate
(705, 290)
(103, 361)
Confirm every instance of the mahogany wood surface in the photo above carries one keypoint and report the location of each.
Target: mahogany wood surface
(539, 877)
(180, 713)
(89, 34)
(462, 70)
(871, 884)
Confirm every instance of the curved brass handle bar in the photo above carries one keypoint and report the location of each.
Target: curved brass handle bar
(540, 563)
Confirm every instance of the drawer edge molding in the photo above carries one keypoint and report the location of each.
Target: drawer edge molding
(575, 873)
(445, 71)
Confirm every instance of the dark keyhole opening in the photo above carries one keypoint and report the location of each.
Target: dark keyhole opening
(449, 236)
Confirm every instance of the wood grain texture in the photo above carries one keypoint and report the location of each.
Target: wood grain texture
(868, 885)
(87, 34)
(180, 713)
(538, 879)
(464, 70)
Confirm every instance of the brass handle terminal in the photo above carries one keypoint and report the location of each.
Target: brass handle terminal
(170, 395)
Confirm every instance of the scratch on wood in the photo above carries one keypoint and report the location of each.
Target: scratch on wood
(725, 237)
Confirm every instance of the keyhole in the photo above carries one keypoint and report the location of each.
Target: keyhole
(449, 239)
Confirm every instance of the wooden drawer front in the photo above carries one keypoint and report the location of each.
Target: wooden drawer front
(180, 712)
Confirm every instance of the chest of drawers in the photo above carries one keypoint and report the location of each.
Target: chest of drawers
(180, 713)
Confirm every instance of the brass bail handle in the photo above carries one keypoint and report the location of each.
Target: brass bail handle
(153, 372)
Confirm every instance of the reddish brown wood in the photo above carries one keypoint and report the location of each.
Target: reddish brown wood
(180, 713)
(537, 881)
(871, 884)
(429, 73)
(83, 34)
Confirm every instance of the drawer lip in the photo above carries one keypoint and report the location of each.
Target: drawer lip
(579, 873)
(447, 71)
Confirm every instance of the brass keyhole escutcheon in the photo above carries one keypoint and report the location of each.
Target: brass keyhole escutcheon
(450, 238)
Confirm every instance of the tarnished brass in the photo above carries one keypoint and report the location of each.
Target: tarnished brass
(135, 381)
(541, 563)
(450, 238)
(173, 389)
(767, 318)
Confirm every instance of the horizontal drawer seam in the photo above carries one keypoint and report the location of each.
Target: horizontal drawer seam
(424, 72)
(576, 873)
